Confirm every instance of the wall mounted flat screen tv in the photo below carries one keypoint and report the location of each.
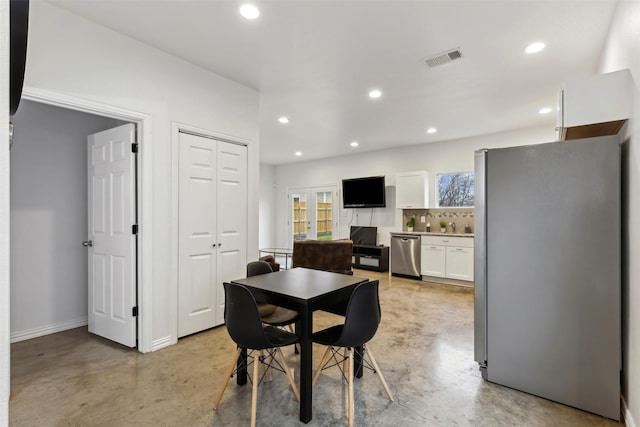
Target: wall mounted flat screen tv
(363, 192)
(363, 235)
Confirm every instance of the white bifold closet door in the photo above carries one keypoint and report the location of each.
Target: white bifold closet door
(212, 225)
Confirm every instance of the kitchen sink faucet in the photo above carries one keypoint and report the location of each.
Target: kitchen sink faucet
(453, 227)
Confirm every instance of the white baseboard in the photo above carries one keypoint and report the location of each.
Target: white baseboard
(48, 329)
(161, 343)
(626, 414)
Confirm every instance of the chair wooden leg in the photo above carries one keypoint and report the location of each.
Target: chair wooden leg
(351, 407)
(323, 360)
(227, 378)
(289, 374)
(379, 372)
(254, 392)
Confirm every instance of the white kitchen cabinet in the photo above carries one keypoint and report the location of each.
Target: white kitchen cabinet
(433, 260)
(447, 257)
(459, 263)
(595, 106)
(412, 190)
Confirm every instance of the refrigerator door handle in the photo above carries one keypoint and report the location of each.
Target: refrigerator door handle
(479, 263)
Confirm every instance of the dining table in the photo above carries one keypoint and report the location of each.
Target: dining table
(304, 290)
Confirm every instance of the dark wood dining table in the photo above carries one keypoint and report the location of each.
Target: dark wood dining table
(305, 291)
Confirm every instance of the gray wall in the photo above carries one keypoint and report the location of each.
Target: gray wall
(49, 218)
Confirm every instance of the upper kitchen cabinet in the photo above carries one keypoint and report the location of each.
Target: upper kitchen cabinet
(412, 190)
(595, 106)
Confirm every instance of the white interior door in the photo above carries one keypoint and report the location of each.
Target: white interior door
(212, 228)
(231, 217)
(112, 242)
(197, 244)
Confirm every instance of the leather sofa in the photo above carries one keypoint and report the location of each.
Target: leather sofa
(328, 255)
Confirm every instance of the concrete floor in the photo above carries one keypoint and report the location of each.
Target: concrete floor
(424, 347)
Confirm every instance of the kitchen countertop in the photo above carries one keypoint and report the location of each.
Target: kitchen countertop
(424, 233)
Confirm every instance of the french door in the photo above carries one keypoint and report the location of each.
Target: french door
(311, 213)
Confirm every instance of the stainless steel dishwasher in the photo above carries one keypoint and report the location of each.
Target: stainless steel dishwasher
(405, 255)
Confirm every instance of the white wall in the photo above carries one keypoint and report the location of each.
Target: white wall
(75, 57)
(448, 156)
(4, 213)
(622, 50)
(49, 218)
(267, 206)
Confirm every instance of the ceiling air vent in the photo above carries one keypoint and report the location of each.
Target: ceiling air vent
(443, 58)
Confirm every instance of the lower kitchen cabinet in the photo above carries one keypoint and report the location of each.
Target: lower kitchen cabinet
(459, 263)
(433, 260)
(447, 257)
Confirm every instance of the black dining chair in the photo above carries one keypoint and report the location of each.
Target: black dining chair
(361, 322)
(247, 331)
(271, 314)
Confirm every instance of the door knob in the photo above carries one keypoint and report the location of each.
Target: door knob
(88, 243)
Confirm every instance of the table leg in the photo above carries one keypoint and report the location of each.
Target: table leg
(306, 329)
(241, 374)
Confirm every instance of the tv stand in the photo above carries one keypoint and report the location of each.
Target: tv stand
(368, 257)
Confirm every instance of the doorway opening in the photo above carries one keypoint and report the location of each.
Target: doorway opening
(65, 230)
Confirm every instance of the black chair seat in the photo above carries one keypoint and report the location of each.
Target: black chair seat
(280, 317)
(278, 337)
(266, 309)
(329, 336)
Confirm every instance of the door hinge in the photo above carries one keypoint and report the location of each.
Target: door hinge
(134, 311)
(134, 147)
(134, 229)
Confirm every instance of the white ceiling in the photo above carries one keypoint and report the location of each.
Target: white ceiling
(315, 61)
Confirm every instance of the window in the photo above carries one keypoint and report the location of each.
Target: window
(455, 189)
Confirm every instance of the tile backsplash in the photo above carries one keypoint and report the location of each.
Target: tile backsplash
(460, 216)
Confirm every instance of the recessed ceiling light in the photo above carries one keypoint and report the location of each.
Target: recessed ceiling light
(283, 120)
(298, 153)
(432, 130)
(534, 47)
(375, 93)
(545, 110)
(354, 143)
(249, 11)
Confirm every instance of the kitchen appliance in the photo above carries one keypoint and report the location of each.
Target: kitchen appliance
(547, 271)
(405, 255)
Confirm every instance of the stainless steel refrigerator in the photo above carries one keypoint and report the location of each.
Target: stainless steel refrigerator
(547, 271)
